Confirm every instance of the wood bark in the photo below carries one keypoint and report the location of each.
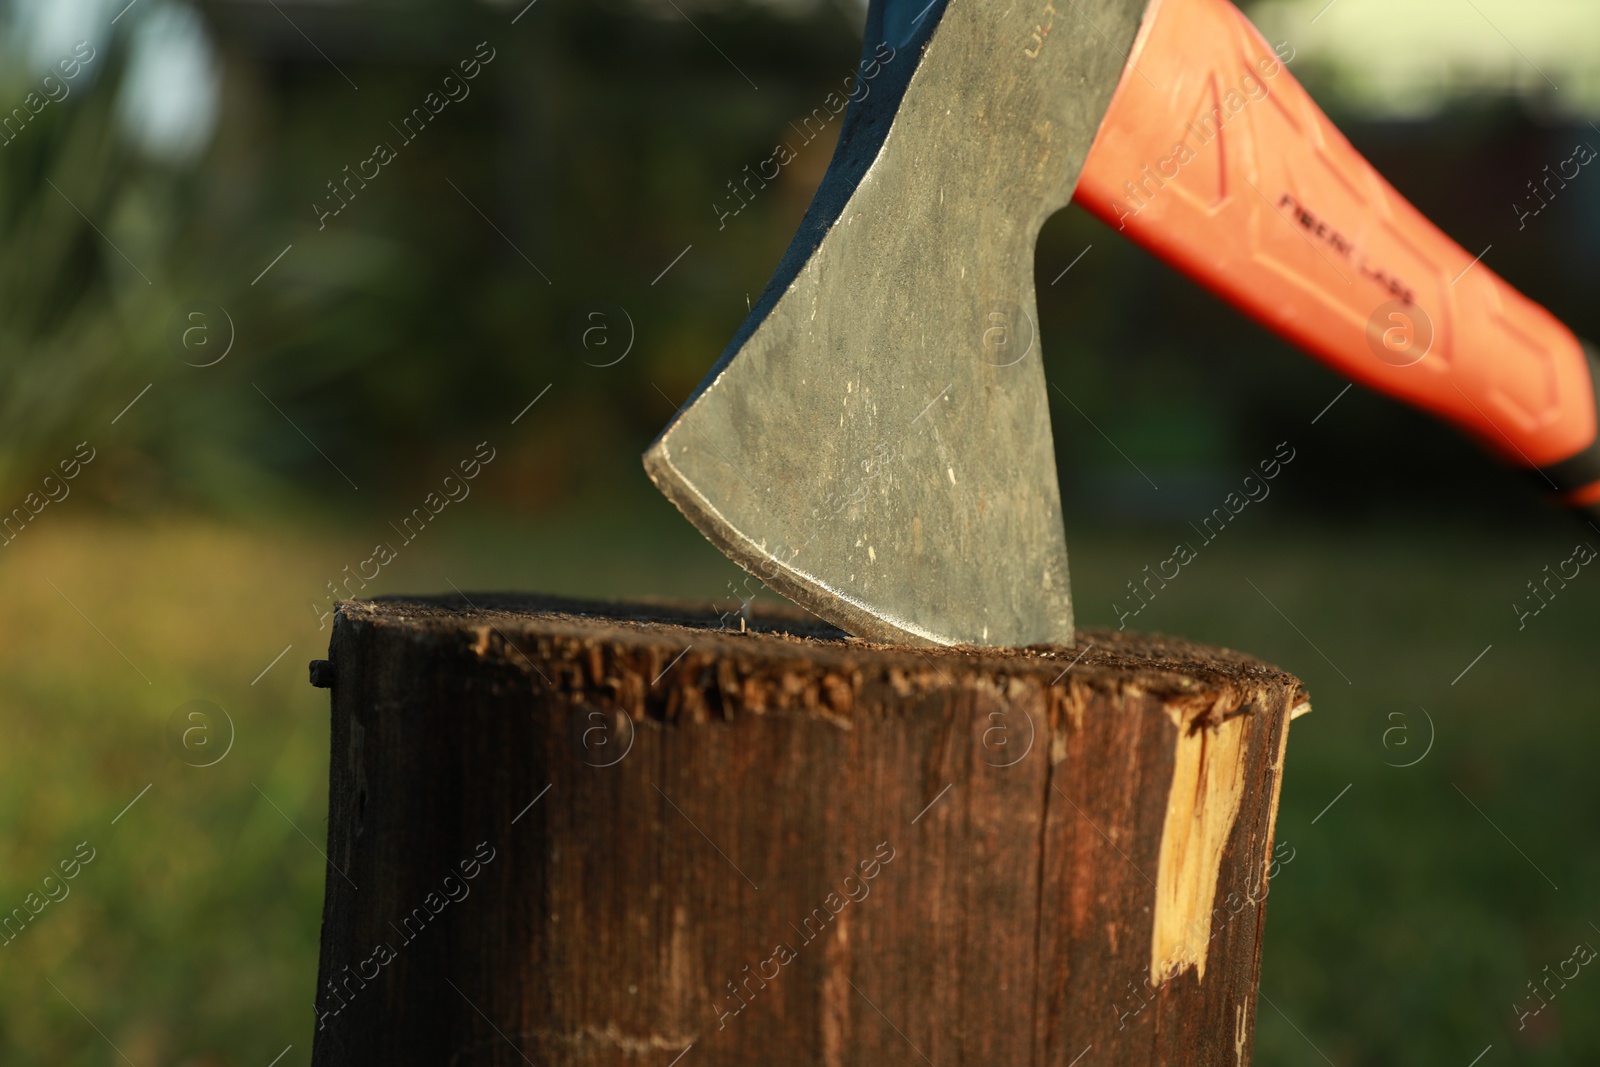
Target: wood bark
(566, 833)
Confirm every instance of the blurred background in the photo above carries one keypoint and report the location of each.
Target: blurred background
(270, 363)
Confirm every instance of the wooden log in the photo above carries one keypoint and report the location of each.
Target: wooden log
(568, 833)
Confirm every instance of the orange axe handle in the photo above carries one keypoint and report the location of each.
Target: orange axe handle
(1215, 159)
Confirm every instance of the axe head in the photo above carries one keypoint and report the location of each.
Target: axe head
(875, 441)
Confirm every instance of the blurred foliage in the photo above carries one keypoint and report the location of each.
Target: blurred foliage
(590, 153)
(410, 320)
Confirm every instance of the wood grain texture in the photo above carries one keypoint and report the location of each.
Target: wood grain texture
(569, 833)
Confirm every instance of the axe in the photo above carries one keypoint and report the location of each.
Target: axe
(874, 443)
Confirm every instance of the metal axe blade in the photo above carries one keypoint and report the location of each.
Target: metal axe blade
(875, 442)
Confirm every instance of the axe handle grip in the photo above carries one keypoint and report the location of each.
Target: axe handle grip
(1215, 159)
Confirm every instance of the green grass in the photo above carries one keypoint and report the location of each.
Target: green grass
(1401, 933)
(1407, 924)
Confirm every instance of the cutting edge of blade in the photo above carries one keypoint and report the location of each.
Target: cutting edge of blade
(826, 603)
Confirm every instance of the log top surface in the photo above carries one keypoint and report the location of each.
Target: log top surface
(778, 638)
